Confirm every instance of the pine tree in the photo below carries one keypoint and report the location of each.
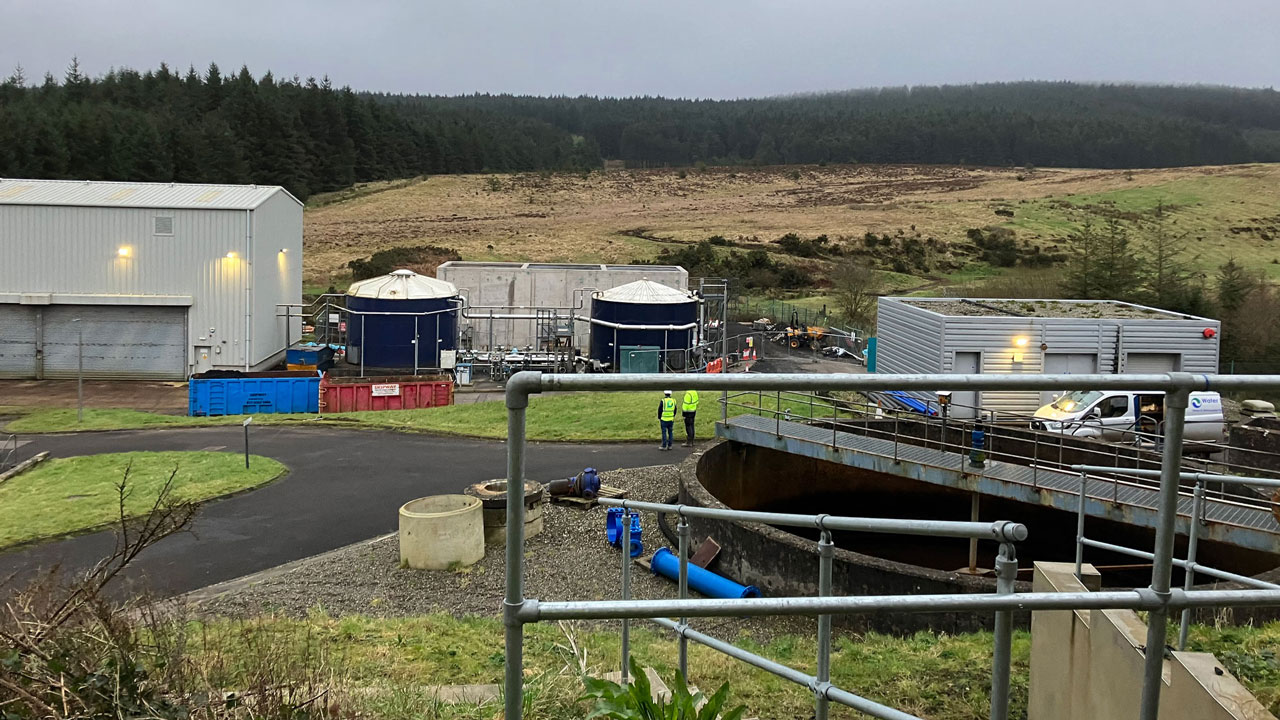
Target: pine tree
(1166, 281)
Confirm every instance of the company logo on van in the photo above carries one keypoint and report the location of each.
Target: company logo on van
(1195, 403)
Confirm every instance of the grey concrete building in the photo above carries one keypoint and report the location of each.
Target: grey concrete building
(524, 289)
(161, 280)
(948, 335)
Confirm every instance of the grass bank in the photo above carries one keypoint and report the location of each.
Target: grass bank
(942, 677)
(571, 417)
(67, 495)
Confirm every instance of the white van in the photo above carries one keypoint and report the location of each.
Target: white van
(1129, 416)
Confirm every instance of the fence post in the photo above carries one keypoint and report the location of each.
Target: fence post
(826, 554)
(626, 594)
(1175, 404)
(1193, 539)
(777, 414)
(683, 530)
(1006, 577)
(1084, 481)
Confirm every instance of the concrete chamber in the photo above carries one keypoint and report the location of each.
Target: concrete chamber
(441, 532)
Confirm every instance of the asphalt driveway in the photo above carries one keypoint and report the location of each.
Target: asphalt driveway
(343, 486)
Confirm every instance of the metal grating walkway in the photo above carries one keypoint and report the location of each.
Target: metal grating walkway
(1226, 521)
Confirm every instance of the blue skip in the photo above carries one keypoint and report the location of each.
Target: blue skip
(667, 564)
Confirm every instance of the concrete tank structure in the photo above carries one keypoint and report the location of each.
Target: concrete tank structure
(441, 532)
(423, 320)
(643, 314)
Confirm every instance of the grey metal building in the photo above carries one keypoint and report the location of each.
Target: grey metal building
(533, 297)
(162, 280)
(948, 335)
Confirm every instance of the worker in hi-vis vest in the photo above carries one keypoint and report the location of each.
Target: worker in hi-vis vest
(667, 419)
(689, 408)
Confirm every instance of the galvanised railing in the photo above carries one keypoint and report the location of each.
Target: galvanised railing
(1159, 599)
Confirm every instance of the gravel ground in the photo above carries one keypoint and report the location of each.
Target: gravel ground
(568, 560)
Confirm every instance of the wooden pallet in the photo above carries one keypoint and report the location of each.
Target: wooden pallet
(607, 491)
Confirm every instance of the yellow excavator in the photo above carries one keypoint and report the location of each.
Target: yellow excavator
(802, 336)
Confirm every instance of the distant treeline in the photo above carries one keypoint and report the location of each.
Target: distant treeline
(195, 126)
(209, 127)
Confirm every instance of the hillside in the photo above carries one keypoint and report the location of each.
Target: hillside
(625, 215)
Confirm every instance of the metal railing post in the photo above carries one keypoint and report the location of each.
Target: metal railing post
(973, 542)
(626, 594)
(1002, 654)
(682, 529)
(826, 555)
(1084, 482)
(1175, 404)
(777, 413)
(895, 437)
(513, 684)
(1193, 539)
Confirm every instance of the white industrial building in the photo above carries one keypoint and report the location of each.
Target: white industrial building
(161, 280)
(511, 304)
(1000, 337)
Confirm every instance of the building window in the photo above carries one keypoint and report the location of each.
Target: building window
(164, 225)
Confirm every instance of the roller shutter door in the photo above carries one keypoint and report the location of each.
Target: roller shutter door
(1151, 362)
(119, 341)
(17, 341)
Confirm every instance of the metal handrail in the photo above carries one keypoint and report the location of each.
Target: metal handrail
(1160, 599)
(942, 444)
(962, 450)
(1002, 531)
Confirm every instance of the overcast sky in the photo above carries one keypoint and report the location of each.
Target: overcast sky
(682, 48)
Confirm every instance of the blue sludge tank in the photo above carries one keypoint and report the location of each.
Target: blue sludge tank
(643, 303)
(388, 341)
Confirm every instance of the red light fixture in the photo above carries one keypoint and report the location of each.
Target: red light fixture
(1209, 333)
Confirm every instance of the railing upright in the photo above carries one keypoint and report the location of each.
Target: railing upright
(1002, 653)
(1084, 483)
(1193, 539)
(626, 594)
(682, 530)
(826, 555)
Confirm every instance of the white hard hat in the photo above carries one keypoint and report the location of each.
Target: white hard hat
(666, 392)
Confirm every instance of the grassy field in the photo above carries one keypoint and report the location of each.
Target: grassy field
(575, 417)
(66, 495)
(624, 215)
(943, 677)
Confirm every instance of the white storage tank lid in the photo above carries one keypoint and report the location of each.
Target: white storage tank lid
(646, 292)
(403, 285)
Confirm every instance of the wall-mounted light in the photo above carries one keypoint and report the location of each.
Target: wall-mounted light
(1020, 341)
(124, 251)
(231, 255)
(284, 250)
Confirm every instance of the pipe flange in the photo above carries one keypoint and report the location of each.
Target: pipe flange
(492, 494)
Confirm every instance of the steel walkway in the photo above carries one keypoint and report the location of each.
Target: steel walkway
(1126, 502)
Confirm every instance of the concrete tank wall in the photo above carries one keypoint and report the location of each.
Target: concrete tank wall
(781, 563)
(546, 285)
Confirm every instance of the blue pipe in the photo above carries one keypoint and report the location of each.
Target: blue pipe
(667, 564)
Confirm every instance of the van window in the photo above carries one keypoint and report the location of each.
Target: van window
(1076, 399)
(1115, 406)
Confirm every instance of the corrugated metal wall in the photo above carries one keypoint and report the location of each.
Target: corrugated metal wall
(549, 285)
(277, 276)
(911, 339)
(72, 251)
(17, 341)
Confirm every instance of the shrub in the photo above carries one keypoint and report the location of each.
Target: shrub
(423, 259)
(635, 702)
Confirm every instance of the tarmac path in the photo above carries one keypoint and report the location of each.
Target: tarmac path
(343, 486)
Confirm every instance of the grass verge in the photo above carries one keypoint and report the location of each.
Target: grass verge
(67, 495)
(943, 677)
(570, 417)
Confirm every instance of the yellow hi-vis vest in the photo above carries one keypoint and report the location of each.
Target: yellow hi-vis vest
(668, 409)
(690, 401)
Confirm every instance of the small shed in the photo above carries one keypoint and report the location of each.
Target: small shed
(972, 336)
